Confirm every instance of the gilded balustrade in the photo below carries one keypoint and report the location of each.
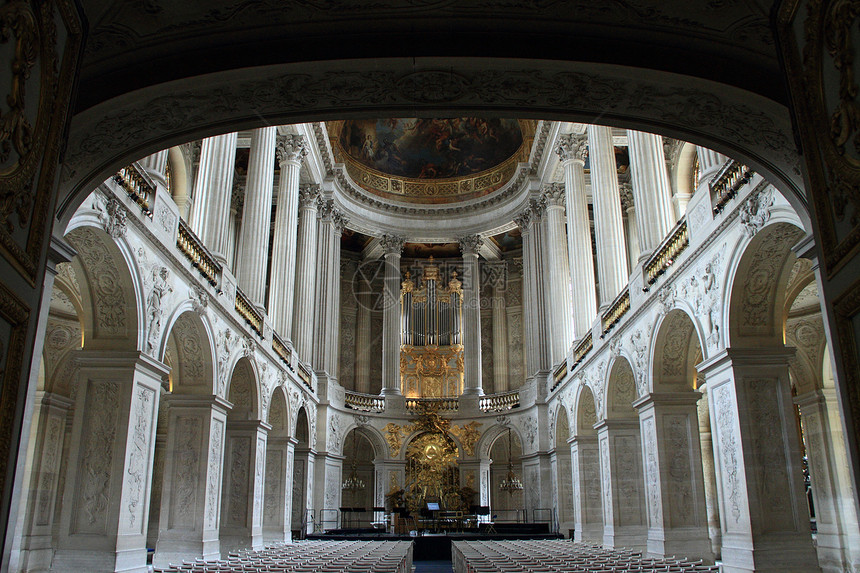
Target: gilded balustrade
(725, 185)
(620, 306)
(281, 349)
(138, 187)
(305, 376)
(667, 253)
(559, 374)
(582, 349)
(249, 312)
(200, 257)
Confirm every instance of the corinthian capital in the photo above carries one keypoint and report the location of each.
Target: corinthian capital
(553, 195)
(339, 220)
(471, 244)
(308, 195)
(391, 244)
(290, 148)
(572, 146)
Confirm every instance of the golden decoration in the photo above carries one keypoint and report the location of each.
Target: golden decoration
(393, 437)
(468, 436)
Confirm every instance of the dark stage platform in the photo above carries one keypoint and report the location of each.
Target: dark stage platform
(437, 546)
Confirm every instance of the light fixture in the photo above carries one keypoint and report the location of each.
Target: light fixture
(353, 483)
(511, 483)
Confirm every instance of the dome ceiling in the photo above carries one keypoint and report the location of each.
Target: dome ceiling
(432, 161)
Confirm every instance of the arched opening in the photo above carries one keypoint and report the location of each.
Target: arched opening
(585, 469)
(506, 456)
(358, 496)
(560, 458)
(277, 493)
(302, 517)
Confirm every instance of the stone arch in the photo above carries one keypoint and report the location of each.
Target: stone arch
(180, 179)
(243, 391)
(562, 427)
(756, 296)
(490, 436)
(360, 458)
(303, 428)
(278, 415)
(190, 351)
(685, 172)
(373, 436)
(505, 505)
(620, 390)
(586, 412)
(110, 294)
(677, 349)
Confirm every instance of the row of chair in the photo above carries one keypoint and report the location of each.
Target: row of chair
(309, 557)
(545, 555)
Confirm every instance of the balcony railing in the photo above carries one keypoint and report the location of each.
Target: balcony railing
(582, 349)
(500, 402)
(200, 257)
(138, 186)
(364, 402)
(558, 375)
(667, 253)
(725, 185)
(305, 376)
(443, 404)
(249, 312)
(281, 349)
(616, 311)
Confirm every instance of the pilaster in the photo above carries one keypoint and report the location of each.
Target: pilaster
(587, 498)
(306, 269)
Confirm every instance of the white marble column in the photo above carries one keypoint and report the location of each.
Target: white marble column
(290, 150)
(212, 193)
(674, 482)
(838, 536)
(587, 499)
(306, 270)
(156, 165)
(557, 270)
(629, 208)
(257, 217)
(363, 335)
(327, 307)
(608, 226)
(651, 191)
(572, 149)
(624, 520)
(536, 344)
(765, 521)
(472, 375)
(392, 245)
(277, 505)
(105, 504)
(500, 330)
(243, 482)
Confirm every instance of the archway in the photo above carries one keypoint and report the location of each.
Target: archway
(302, 517)
(506, 456)
(280, 448)
(560, 459)
(585, 469)
(359, 456)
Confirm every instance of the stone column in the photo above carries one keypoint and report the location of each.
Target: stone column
(213, 192)
(277, 504)
(392, 245)
(587, 500)
(608, 226)
(624, 520)
(251, 270)
(49, 426)
(765, 521)
(290, 150)
(500, 331)
(838, 537)
(193, 469)
(712, 504)
(629, 207)
(651, 191)
(472, 375)
(674, 482)
(306, 269)
(156, 165)
(242, 494)
(327, 306)
(572, 149)
(105, 505)
(534, 319)
(557, 269)
(363, 335)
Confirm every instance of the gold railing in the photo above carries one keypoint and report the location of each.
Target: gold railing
(200, 257)
(305, 376)
(619, 308)
(559, 374)
(280, 348)
(443, 404)
(364, 402)
(727, 182)
(138, 187)
(249, 312)
(499, 402)
(667, 253)
(582, 349)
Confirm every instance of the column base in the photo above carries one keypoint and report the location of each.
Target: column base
(473, 392)
(277, 536)
(236, 542)
(176, 550)
(692, 542)
(589, 534)
(629, 536)
(36, 553)
(784, 553)
(77, 560)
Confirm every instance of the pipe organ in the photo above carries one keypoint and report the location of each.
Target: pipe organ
(431, 336)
